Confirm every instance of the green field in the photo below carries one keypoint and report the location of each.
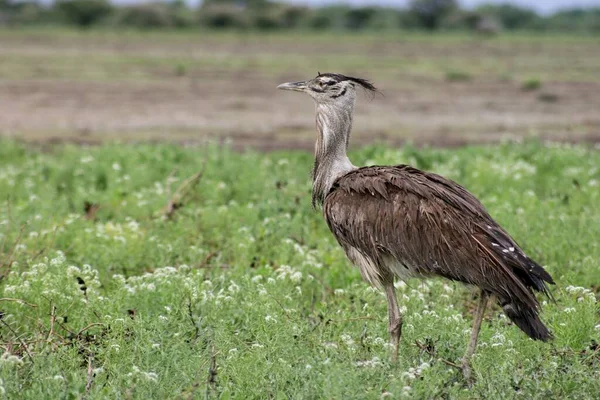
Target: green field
(242, 292)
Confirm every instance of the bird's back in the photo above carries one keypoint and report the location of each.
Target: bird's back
(398, 220)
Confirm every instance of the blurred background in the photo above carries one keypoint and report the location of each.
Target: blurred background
(451, 72)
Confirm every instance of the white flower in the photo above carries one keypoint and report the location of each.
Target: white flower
(59, 259)
(422, 367)
(401, 285)
(296, 276)
(116, 167)
(73, 271)
(374, 362)
(268, 318)
(410, 374)
(151, 376)
(233, 288)
(10, 359)
(347, 339)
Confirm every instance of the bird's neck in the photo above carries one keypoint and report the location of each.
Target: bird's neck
(334, 123)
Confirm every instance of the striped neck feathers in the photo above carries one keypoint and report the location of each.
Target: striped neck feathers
(334, 123)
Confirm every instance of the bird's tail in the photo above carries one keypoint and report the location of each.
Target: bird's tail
(528, 320)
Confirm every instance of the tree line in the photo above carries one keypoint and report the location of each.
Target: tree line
(427, 15)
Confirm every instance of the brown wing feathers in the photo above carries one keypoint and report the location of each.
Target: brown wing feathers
(438, 228)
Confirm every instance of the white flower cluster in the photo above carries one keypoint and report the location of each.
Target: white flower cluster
(10, 359)
(348, 341)
(118, 232)
(499, 340)
(54, 280)
(162, 276)
(414, 373)
(310, 258)
(287, 272)
(377, 342)
(515, 170)
(582, 293)
(372, 363)
(137, 373)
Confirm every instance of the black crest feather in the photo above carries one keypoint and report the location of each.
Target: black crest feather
(364, 83)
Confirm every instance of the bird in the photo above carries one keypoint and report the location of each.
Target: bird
(399, 222)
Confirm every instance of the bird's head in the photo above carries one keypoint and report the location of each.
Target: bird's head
(330, 88)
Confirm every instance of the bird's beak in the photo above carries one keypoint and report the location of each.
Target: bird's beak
(296, 86)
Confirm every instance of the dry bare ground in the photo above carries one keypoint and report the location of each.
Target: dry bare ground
(184, 87)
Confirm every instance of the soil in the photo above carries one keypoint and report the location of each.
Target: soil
(242, 105)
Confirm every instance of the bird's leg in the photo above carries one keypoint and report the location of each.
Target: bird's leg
(477, 318)
(395, 322)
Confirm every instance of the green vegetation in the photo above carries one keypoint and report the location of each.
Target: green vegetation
(265, 15)
(531, 84)
(128, 56)
(241, 292)
(458, 76)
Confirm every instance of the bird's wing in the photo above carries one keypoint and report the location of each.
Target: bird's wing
(422, 219)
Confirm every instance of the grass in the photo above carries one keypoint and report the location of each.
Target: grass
(531, 84)
(243, 292)
(457, 76)
(130, 56)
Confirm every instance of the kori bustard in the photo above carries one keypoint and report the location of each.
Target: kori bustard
(398, 221)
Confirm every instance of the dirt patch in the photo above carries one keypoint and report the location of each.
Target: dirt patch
(90, 102)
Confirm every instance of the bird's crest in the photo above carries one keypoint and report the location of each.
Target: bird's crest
(364, 83)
